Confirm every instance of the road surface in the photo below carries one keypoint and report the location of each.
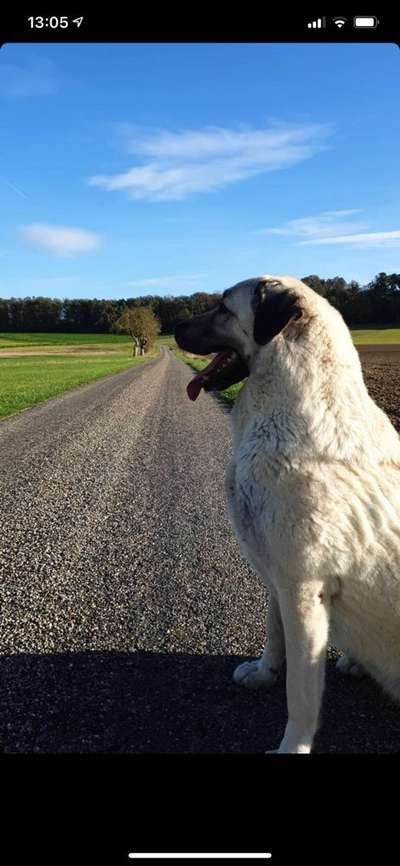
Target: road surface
(125, 604)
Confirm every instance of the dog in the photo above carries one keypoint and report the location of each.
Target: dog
(313, 489)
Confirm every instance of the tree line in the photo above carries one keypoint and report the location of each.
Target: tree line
(377, 303)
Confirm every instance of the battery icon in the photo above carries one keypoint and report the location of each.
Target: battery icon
(366, 21)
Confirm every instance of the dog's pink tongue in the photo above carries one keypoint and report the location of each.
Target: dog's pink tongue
(194, 387)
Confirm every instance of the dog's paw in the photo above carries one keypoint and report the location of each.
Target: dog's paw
(346, 665)
(253, 675)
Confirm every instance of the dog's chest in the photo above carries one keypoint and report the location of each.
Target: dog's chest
(251, 509)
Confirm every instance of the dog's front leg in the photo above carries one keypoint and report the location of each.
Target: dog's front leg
(265, 670)
(305, 616)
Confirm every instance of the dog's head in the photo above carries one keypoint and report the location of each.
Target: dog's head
(250, 315)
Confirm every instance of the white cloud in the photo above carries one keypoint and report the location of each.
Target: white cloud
(205, 160)
(367, 239)
(60, 240)
(332, 227)
(319, 226)
(170, 282)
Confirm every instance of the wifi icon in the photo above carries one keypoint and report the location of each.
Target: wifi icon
(340, 22)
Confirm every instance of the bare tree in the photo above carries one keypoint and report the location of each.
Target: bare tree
(143, 326)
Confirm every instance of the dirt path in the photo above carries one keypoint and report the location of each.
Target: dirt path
(381, 368)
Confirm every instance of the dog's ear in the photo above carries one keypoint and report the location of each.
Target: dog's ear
(274, 308)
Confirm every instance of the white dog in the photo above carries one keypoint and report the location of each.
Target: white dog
(313, 489)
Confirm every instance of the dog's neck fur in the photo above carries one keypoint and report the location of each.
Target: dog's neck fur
(293, 387)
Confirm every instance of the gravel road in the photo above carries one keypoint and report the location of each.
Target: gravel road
(125, 604)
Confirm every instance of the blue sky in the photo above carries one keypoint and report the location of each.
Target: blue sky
(140, 169)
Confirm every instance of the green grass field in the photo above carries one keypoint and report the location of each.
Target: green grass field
(109, 341)
(375, 336)
(31, 377)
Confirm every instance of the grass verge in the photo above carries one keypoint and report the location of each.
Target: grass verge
(29, 380)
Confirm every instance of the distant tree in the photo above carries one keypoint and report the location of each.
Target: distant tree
(5, 322)
(358, 310)
(107, 316)
(40, 314)
(71, 315)
(16, 314)
(142, 325)
(394, 282)
(315, 282)
(379, 294)
(168, 313)
(380, 286)
(199, 302)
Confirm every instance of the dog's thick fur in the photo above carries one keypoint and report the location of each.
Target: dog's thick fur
(313, 493)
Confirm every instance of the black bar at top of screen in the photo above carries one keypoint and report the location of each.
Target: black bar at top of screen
(134, 25)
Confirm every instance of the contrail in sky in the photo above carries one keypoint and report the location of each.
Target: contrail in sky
(15, 189)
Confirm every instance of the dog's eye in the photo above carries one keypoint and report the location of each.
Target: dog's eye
(223, 309)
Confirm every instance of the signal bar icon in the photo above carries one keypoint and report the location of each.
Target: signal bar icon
(316, 25)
